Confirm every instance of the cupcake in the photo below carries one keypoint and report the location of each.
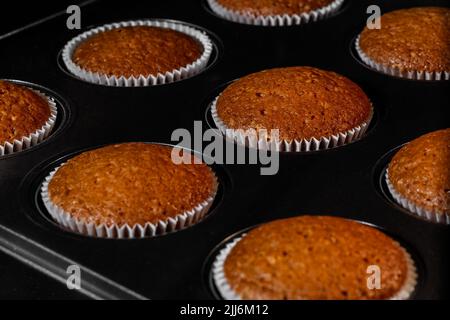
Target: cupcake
(412, 43)
(312, 109)
(138, 53)
(274, 13)
(131, 190)
(418, 176)
(314, 258)
(26, 117)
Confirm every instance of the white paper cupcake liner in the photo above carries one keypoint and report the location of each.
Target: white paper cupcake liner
(256, 140)
(397, 72)
(438, 217)
(36, 137)
(138, 231)
(227, 293)
(143, 80)
(275, 20)
(218, 272)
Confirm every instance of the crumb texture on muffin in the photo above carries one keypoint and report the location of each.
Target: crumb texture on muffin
(420, 172)
(270, 7)
(314, 258)
(133, 183)
(416, 39)
(136, 51)
(302, 102)
(22, 112)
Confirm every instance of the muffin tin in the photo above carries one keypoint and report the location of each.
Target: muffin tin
(343, 182)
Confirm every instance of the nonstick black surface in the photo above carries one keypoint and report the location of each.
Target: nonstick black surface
(16, 15)
(19, 281)
(342, 182)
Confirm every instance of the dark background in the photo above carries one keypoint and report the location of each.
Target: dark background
(18, 281)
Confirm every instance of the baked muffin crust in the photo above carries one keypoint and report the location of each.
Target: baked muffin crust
(314, 258)
(133, 183)
(22, 112)
(270, 7)
(420, 172)
(302, 102)
(136, 51)
(416, 39)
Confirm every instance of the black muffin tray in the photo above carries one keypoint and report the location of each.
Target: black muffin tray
(345, 182)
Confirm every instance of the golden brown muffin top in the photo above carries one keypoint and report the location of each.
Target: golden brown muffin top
(131, 183)
(135, 51)
(314, 258)
(302, 102)
(420, 172)
(22, 112)
(271, 7)
(416, 39)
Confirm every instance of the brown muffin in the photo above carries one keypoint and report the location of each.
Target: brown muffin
(420, 172)
(302, 102)
(315, 258)
(416, 39)
(22, 112)
(136, 51)
(270, 7)
(133, 183)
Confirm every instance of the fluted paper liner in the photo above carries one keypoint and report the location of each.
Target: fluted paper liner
(137, 231)
(438, 217)
(397, 72)
(36, 137)
(253, 139)
(227, 293)
(143, 80)
(275, 20)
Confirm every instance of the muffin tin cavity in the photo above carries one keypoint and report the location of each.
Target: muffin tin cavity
(33, 204)
(59, 108)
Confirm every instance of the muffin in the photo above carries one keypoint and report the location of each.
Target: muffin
(138, 53)
(26, 117)
(412, 43)
(128, 190)
(274, 13)
(314, 258)
(313, 109)
(419, 176)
